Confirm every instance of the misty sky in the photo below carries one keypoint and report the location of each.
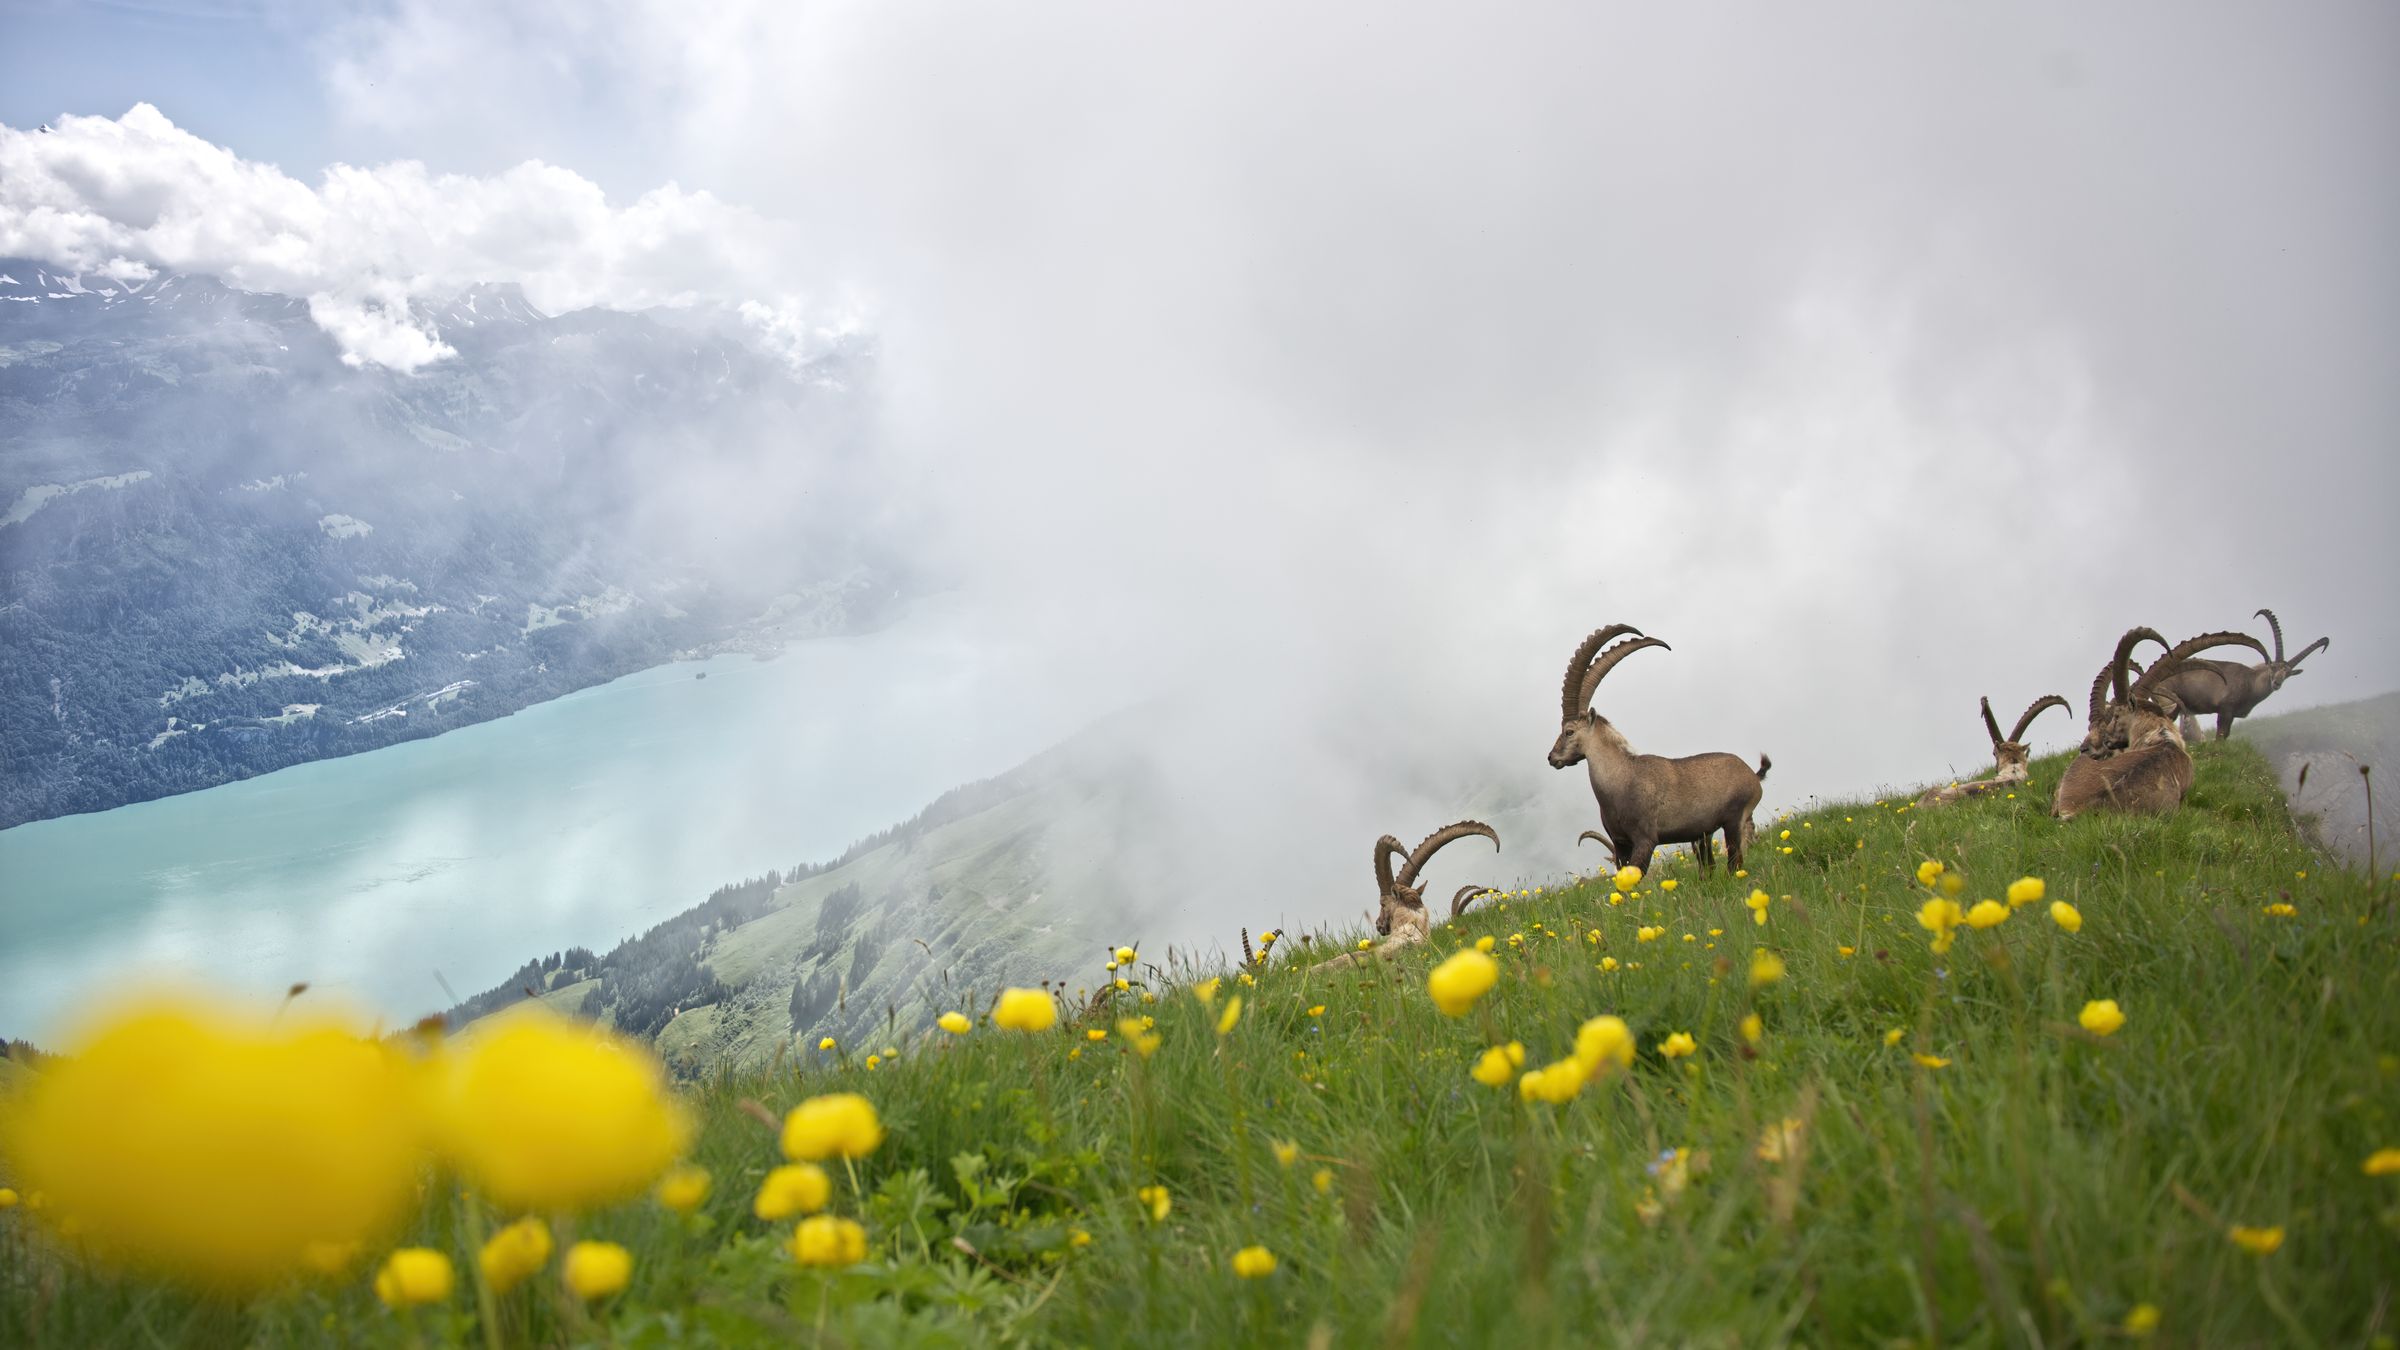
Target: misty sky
(1346, 363)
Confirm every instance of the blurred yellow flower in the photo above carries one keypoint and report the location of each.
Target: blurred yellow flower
(1137, 1033)
(1668, 885)
(1627, 878)
(1677, 1045)
(955, 1023)
(1603, 1041)
(1608, 963)
(1253, 1263)
(1457, 982)
(1025, 1010)
(829, 1241)
(1316, 1010)
(515, 1253)
(1123, 985)
(1286, 1152)
(1095, 1034)
(2383, 1162)
(794, 1188)
(1753, 1028)
(413, 1276)
(1322, 1180)
(1893, 1037)
(212, 1145)
(1928, 872)
(1486, 943)
(1780, 1142)
(1952, 884)
(1206, 990)
(595, 1270)
(1157, 1201)
(2026, 891)
(1646, 933)
(2101, 1017)
(1765, 968)
(1987, 914)
(2256, 1241)
(1758, 902)
(1231, 1015)
(826, 1043)
(1932, 1061)
(874, 1062)
(836, 1125)
(684, 1188)
(2142, 1320)
(1555, 1083)
(2066, 916)
(2280, 910)
(1492, 1068)
(1124, 956)
(1364, 943)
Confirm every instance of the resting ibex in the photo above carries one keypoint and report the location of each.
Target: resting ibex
(2133, 758)
(1648, 800)
(2230, 689)
(2012, 759)
(1400, 917)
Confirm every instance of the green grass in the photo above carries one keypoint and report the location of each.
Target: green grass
(2032, 1192)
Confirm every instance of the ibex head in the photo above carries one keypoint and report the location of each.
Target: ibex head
(2136, 708)
(1401, 897)
(2277, 669)
(2012, 756)
(1585, 669)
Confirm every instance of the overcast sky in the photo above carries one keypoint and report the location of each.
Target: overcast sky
(1350, 361)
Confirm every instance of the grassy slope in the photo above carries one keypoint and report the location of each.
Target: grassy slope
(2035, 1189)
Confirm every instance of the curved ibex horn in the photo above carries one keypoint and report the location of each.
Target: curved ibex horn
(1466, 896)
(2310, 650)
(2269, 616)
(1434, 842)
(2185, 650)
(1568, 707)
(1386, 849)
(2134, 637)
(1608, 662)
(2045, 701)
(1989, 722)
(1596, 837)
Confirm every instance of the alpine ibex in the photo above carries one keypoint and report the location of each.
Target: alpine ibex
(2230, 689)
(2133, 757)
(1400, 918)
(2012, 759)
(1648, 800)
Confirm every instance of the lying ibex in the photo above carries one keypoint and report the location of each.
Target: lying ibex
(1400, 917)
(2230, 689)
(2012, 759)
(1648, 800)
(2133, 757)
(1603, 841)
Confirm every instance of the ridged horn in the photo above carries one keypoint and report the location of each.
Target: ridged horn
(1435, 841)
(1990, 723)
(2185, 650)
(2045, 701)
(1568, 707)
(2275, 627)
(1596, 837)
(1608, 662)
(1466, 896)
(2117, 679)
(1386, 849)
(2310, 650)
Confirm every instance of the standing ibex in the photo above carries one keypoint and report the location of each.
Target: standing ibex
(1648, 800)
(2230, 689)
(2012, 759)
(2133, 758)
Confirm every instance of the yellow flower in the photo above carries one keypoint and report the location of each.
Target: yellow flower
(1627, 878)
(1952, 884)
(1987, 914)
(829, 1241)
(2101, 1017)
(1668, 885)
(595, 1270)
(1933, 1061)
(684, 1187)
(2256, 1241)
(1245, 980)
(1486, 943)
(1758, 902)
(825, 1044)
(1286, 1152)
(1785, 835)
(1608, 963)
(1928, 872)
(1555, 1083)
(1492, 1068)
(1025, 1010)
(413, 1276)
(874, 1062)
(1364, 943)
(2066, 916)
(1322, 1180)
(955, 1023)
(1124, 956)
(1231, 1015)
(2026, 891)
(1646, 933)
(1317, 1010)
(1457, 982)
(200, 1142)
(1095, 1034)
(1157, 1201)
(1765, 968)
(1847, 951)
(2142, 1321)
(794, 1188)
(1602, 1041)
(837, 1125)
(1123, 985)
(1206, 990)
(1893, 1037)
(1780, 1142)
(1076, 1237)
(2280, 910)
(1138, 1034)
(1677, 1045)
(1753, 1027)
(1253, 1263)
(2383, 1162)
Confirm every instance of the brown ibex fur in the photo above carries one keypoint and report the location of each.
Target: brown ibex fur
(2230, 689)
(1648, 800)
(2012, 759)
(2133, 758)
(1400, 917)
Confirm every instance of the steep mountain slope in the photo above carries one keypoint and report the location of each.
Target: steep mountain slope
(224, 550)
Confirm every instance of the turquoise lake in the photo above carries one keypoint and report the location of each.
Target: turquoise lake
(578, 821)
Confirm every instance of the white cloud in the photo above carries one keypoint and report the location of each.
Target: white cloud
(122, 196)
